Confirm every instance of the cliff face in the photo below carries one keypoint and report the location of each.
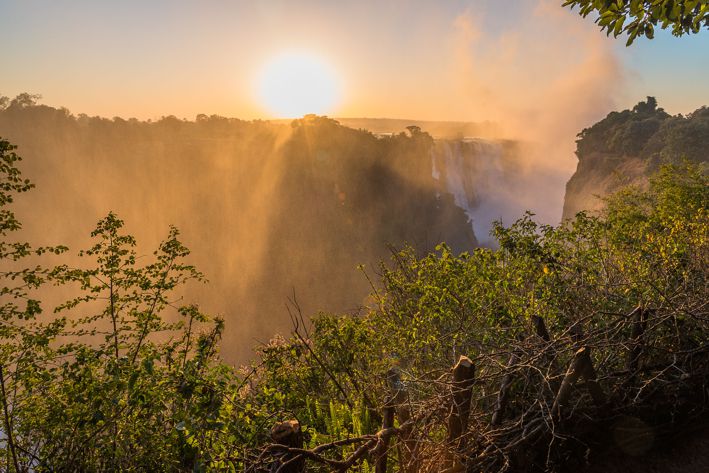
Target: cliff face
(626, 147)
(598, 175)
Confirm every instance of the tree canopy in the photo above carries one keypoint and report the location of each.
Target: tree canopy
(640, 17)
(650, 133)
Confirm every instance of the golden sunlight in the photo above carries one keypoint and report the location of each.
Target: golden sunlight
(295, 84)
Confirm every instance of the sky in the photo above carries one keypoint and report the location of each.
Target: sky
(419, 59)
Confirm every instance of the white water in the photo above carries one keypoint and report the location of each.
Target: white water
(474, 172)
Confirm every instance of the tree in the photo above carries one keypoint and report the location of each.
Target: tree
(24, 100)
(640, 17)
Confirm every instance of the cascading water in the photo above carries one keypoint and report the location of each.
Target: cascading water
(475, 173)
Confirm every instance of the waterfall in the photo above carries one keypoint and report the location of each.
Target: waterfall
(473, 171)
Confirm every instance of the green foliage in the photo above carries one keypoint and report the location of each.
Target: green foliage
(649, 133)
(24, 340)
(640, 17)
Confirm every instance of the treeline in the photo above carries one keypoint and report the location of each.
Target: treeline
(564, 336)
(648, 132)
(269, 208)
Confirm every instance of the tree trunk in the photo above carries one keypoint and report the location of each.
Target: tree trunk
(638, 318)
(288, 433)
(462, 395)
(407, 445)
(581, 367)
(380, 465)
(503, 395)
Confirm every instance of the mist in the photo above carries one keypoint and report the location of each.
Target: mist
(539, 92)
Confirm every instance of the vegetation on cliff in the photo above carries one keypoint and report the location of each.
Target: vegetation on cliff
(649, 133)
(625, 147)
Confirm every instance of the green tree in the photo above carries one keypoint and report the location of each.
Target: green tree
(640, 17)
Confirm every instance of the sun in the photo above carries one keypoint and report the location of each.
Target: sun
(295, 84)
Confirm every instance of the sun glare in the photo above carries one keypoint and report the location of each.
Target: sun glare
(292, 85)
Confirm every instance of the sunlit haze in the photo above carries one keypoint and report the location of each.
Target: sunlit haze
(384, 236)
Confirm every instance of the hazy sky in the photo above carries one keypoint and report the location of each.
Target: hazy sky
(401, 58)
